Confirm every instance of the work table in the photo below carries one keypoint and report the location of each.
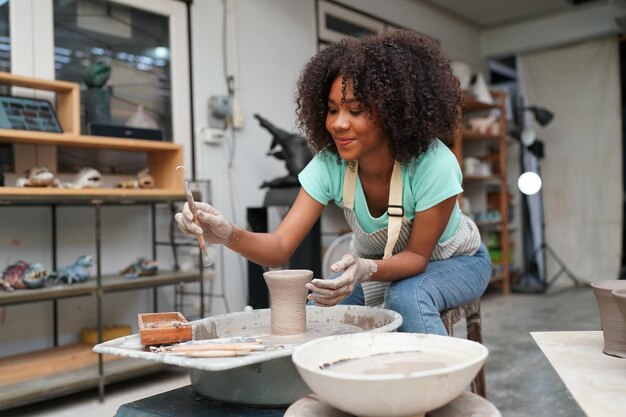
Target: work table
(596, 381)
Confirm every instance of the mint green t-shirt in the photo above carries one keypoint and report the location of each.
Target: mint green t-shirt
(434, 177)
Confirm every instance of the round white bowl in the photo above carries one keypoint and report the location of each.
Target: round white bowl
(388, 394)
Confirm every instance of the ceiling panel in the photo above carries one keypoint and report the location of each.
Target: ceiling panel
(486, 13)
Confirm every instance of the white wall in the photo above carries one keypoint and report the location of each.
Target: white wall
(460, 40)
(275, 39)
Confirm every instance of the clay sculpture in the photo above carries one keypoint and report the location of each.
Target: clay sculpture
(38, 177)
(21, 275)
(144, 181)
(76, 272)
(140, 268)
(288, 147)
(86, 178)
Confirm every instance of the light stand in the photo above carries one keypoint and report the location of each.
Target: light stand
(531, 281)
(545, 249)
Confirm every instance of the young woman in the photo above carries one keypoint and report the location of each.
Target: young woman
(373, 110)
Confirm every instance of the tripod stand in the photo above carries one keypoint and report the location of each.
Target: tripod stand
(547, 283)
(531, 152)
(533, 218)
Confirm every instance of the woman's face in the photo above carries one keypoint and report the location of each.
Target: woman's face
(355, 132)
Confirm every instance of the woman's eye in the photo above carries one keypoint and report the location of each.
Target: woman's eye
(356, 112)
(332, 111)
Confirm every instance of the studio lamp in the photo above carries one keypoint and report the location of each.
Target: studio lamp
(542, 116)
(529, 184)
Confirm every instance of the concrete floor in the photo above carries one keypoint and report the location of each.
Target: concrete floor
(520, 380)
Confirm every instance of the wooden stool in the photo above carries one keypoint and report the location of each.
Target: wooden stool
(471, 313)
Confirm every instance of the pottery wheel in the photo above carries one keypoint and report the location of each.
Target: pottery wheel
(466, 405)
(313, 331)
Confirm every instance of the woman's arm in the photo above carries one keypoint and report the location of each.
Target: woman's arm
(428, 225)
(274, 249)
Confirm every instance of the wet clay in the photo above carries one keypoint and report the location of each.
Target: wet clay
(393, 363)
(613, 324)
(288, 300)
(313, 331)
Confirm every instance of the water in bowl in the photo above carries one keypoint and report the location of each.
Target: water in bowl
(389, 363)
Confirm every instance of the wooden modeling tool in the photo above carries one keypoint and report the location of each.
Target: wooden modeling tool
(209, 349)
(192, 206)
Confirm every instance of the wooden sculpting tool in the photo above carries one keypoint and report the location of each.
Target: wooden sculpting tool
(213, 347)
(192, 206)
(217, 354)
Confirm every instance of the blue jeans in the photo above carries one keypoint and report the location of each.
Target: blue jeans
(444, 284)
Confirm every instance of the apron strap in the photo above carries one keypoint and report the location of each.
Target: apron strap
(349, 184)
(395, 211)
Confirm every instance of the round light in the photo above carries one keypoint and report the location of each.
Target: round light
(528, 137)
(161, 52)
(529, 183)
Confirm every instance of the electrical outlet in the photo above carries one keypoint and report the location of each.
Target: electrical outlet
(211, 136)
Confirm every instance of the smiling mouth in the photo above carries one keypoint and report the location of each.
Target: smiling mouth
(343, 141)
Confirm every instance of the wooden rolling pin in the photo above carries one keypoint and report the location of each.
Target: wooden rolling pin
(215, 347)
(216, 353)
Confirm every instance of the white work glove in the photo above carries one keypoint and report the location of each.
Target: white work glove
(208, 222)
(329, 292)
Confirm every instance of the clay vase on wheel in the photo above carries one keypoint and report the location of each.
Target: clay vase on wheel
(613, 324)
(619, 296)
(288, 300)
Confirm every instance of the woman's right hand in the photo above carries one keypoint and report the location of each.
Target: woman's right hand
(208, 222)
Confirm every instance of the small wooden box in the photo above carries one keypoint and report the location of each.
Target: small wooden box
(163, 328)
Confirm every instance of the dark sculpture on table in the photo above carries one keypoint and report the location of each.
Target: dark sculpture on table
(288, 147)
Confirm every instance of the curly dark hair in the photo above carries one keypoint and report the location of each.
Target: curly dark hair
(402, 76)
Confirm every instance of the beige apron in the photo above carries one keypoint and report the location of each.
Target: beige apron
(394, 238)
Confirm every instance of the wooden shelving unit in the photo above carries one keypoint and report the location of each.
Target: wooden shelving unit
(162, 157)
(53, 372)
(109, 283)
(469, 143)
(60, 370)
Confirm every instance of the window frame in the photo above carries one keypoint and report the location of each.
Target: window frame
(32, 54)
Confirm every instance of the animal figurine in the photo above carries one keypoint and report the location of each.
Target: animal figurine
(38, 177)
(35, 276)
(86, 178)
(77, 272)
(144, 181)
(142, 267)
(21, 275)
(289, 147)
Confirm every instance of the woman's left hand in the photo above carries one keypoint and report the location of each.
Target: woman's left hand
(329, 292)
